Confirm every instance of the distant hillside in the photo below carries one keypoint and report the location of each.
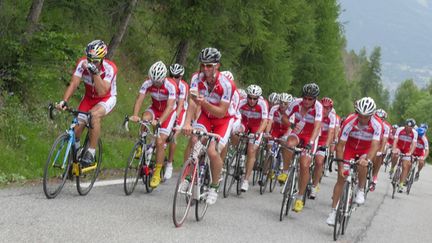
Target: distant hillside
(401, 28)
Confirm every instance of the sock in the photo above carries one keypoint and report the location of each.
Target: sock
(77, 143)
(92, 151)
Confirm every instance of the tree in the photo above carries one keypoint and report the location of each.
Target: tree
(33, 18)
(118, 35)
(406, 95)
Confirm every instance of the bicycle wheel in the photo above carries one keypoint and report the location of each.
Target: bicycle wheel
(348, 205)
(133, 170)
(201, 205)
(395, 181)
(368, 182)
(230, 173)
(87, 176)
(238, 174)
(340, 219)
(410, 180)
(57, 166)
(288, 193)
(183, 192)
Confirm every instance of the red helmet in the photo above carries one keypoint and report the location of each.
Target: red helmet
(327, 102)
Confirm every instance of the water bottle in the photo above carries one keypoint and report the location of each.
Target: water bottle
(346, 167)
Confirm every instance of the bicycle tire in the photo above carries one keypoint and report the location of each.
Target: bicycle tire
(51, 176)
(339, 220)
(395, 181)
(229, 174)
(133, 169)
(263, 186)
(201, 205)
(348, 205)
(239, 174)
(368, 182)
(410, 180)
(183, 199)
(287, 195)
(85, 181)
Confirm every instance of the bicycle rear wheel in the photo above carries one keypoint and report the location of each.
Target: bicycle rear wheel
(230, 163)
(57, 166)
(87, 176)
(183, 192)
(133, 170)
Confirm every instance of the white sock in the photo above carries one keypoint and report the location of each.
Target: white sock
(92, 151)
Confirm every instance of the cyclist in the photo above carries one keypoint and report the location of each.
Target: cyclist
(360, 137)
(212, 93)
(161, 112)
(422, 149)
(308, 113)
(276, 128)
(177, 72)
(405, 141)
(327, 134)
(99, 76)
(254, 111)
(273, 99)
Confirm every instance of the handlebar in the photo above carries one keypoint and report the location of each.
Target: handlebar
(74, 112)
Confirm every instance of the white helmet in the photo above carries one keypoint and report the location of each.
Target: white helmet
(242, 93)
(228, 74)
(273, 97)
(365, 106)
(254, 90)
(158, 72)
(177, 69)
(210, 55)
(381, 113)
(285, 97)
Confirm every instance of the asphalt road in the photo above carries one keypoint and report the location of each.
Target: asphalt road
(107, 215)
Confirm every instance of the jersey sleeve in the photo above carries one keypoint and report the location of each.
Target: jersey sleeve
(146, 84)
(172, 89)
(79, 70)
(264, 108)
(318, 111)
(332, 117)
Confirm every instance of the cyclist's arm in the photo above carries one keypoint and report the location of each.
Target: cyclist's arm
(373, 149)
(330, 137)
(269, 126)
(191, 110)
(340, 149)
(217, 111)
(395, 140)
(167, 111)
(262, 126)
(383, 145)
(75, 81)
(138, 102)
(412, 147)
(180, 105)
(315, 133)
(101, 86)
(426, 154)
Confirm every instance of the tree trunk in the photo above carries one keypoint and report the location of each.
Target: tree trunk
(118, 36)
(33, 17)
(182, 52)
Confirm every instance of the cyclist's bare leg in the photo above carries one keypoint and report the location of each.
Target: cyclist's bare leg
(337, 190)
(160, 152)
(305, 161)
(172, 146)
(377, 162)
(215, 162)
(420, 165)
(406, 165)
(251, 158)
(288, 155)
(362, 173)
(97, 112)
(319, 162)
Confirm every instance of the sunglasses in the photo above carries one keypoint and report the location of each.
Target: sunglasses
(176, 76)
(283, 103)
(252, 98)
(94, 60)
(308, 98)
(208, 65)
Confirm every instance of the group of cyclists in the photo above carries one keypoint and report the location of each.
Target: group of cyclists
(214, 103)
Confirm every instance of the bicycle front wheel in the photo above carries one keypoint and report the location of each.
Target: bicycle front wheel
(133, 170)
(57, 166)
(183, 192)
(288, 194)
(87, 176)
(201, 205)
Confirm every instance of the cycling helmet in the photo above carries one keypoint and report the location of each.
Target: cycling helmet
(327, 102)
(421, 131)
(286, 98)
(395, 126)
(177, 69)
(273, 97)
(242, 93)
(410, 122)
(228, 74)
(209, 55)
(365, 106)
(424, 125)
(254, 90)
(158, 72)
(381, 113)
(311, 90)
(96, 49)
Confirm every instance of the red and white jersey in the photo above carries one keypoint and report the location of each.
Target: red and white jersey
(108, 73)
(387, 128)
(358, 137)
(233, 109)
(305, 124)
(276, 116)
(326, 124)
(422, 145)
(253, 115)
(183, 90)
(160, 95)
(222, 90)
(405, 139)
(338, 119)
